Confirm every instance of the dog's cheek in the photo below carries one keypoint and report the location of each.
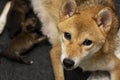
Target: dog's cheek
(64, 54)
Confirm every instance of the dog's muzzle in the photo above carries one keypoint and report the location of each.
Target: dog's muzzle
(68, 63)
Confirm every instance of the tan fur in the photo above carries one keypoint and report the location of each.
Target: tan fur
(83, 24)
(48, 13)
(82, 19)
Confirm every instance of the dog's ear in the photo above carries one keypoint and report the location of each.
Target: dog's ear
(104, 19)
(68, 8)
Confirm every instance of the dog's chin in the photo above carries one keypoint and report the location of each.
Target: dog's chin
(68, 68)
(72, 68)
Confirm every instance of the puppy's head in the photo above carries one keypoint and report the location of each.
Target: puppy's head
(29, 25)
(21, 5)
(82, 33)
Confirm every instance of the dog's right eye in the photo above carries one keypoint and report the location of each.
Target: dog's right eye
(87, 42)
(67, 35)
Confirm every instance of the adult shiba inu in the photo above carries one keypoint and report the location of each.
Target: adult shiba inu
(86, 35)
(87, 38)
(48, 13)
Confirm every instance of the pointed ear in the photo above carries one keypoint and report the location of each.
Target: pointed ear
(22, 23)
(68, 8)
(104, 19)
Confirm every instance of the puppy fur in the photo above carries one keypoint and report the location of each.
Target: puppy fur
(16, 15)
(53, 12)
(29, 36)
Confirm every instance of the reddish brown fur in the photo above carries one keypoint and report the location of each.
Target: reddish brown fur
(81, 25)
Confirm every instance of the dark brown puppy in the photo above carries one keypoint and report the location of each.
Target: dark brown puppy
(16, 15)
(29, 36)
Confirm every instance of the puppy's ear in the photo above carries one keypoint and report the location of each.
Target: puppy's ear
(23, 26)
(34, 20)
(68, 8)
(104, 19)
(22, 23)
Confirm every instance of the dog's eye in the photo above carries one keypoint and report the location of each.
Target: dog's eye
(87, 42)
(67, 35)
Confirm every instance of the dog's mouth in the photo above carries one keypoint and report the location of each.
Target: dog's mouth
(66, 68)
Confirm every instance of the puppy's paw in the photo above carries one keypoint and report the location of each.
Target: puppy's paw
(25, 60)
(99, 75)
(30, 62)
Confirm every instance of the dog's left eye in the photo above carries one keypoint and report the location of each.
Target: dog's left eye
(67, 35)
(87, 42)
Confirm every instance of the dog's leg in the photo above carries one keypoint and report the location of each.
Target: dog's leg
(40, 39)
(3, 16)
(115, 74)
(56, 63)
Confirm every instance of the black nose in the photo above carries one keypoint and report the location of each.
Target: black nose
(68, 63)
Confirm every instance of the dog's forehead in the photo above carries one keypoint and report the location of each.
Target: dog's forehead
(79, 23)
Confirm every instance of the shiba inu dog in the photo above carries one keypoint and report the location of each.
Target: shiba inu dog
(87, 38)
(28, 37)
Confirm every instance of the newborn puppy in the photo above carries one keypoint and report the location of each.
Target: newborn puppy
(16, 15)
(29, 36)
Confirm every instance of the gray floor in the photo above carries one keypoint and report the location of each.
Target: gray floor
(41, 69)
